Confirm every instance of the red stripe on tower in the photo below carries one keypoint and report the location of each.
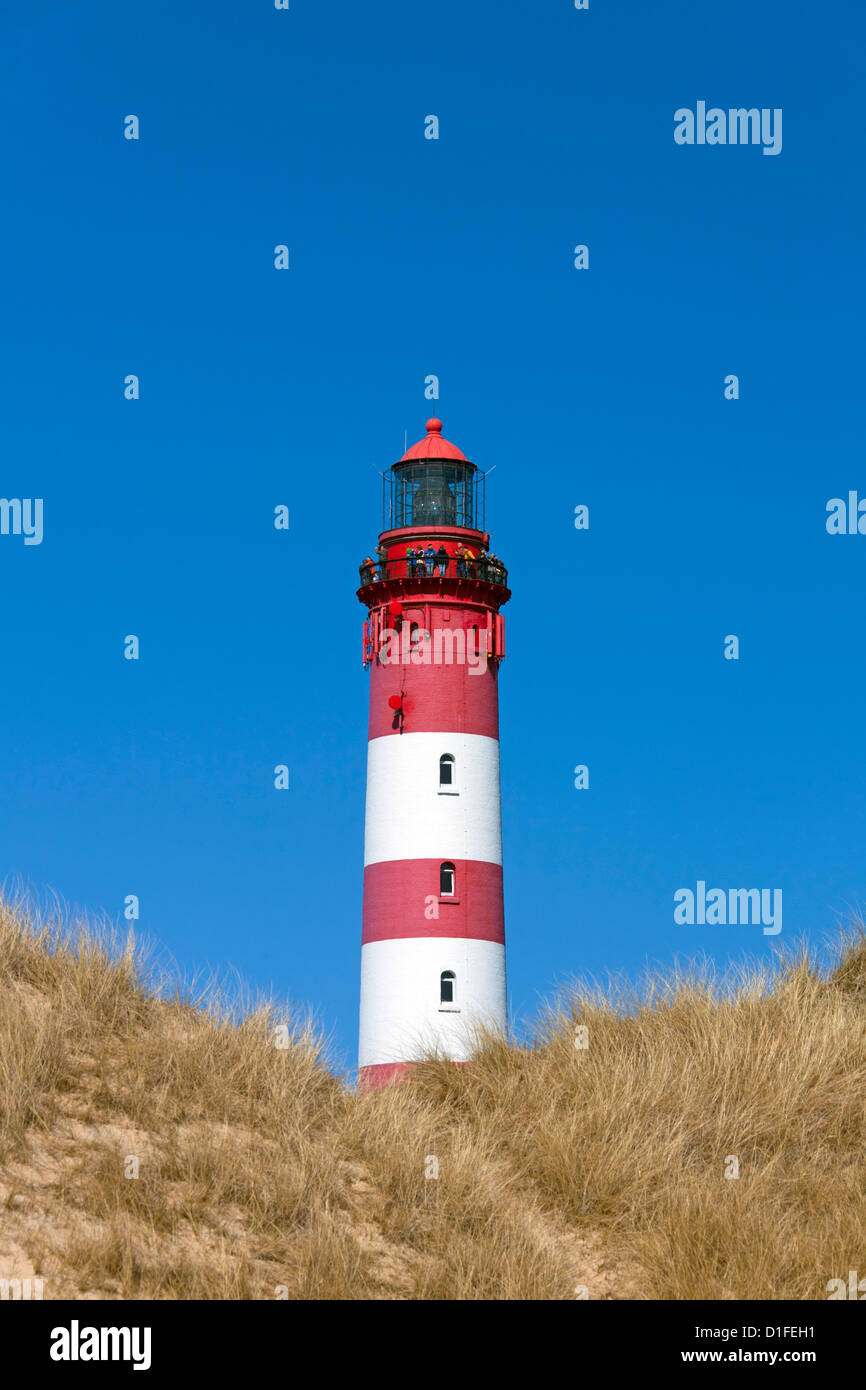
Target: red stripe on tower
(433, 941)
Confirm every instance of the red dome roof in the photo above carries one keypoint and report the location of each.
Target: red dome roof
(433, 446)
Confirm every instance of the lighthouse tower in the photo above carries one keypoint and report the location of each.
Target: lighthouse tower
(433, 953)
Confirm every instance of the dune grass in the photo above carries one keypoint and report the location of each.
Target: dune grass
(153, 1147)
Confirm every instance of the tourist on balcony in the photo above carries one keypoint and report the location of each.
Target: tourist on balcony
(429, 558)
(443, 560)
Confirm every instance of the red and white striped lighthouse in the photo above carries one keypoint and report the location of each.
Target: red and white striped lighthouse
(433, 953)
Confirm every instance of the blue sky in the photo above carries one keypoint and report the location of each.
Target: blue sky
(603, 387)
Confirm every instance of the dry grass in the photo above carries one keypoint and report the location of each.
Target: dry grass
(559, 1167)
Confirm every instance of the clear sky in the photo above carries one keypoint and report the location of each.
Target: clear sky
(603, 387)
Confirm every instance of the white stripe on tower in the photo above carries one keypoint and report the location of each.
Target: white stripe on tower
(410, 817)
(404, 1020)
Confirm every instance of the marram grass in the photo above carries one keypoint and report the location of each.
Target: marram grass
(692, 1141)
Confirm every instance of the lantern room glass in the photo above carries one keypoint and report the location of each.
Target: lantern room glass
(438, 493)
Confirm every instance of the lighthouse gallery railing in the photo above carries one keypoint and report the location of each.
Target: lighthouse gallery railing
(489, 571)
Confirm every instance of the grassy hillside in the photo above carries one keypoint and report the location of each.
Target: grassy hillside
(560, 1167)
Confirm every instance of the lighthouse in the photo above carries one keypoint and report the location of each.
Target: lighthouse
(433, 938)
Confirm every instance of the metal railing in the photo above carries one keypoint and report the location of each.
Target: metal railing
(489, 571)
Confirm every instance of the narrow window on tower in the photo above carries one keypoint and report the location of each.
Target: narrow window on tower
(446, 773)
(447, 987)
(446, 880)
